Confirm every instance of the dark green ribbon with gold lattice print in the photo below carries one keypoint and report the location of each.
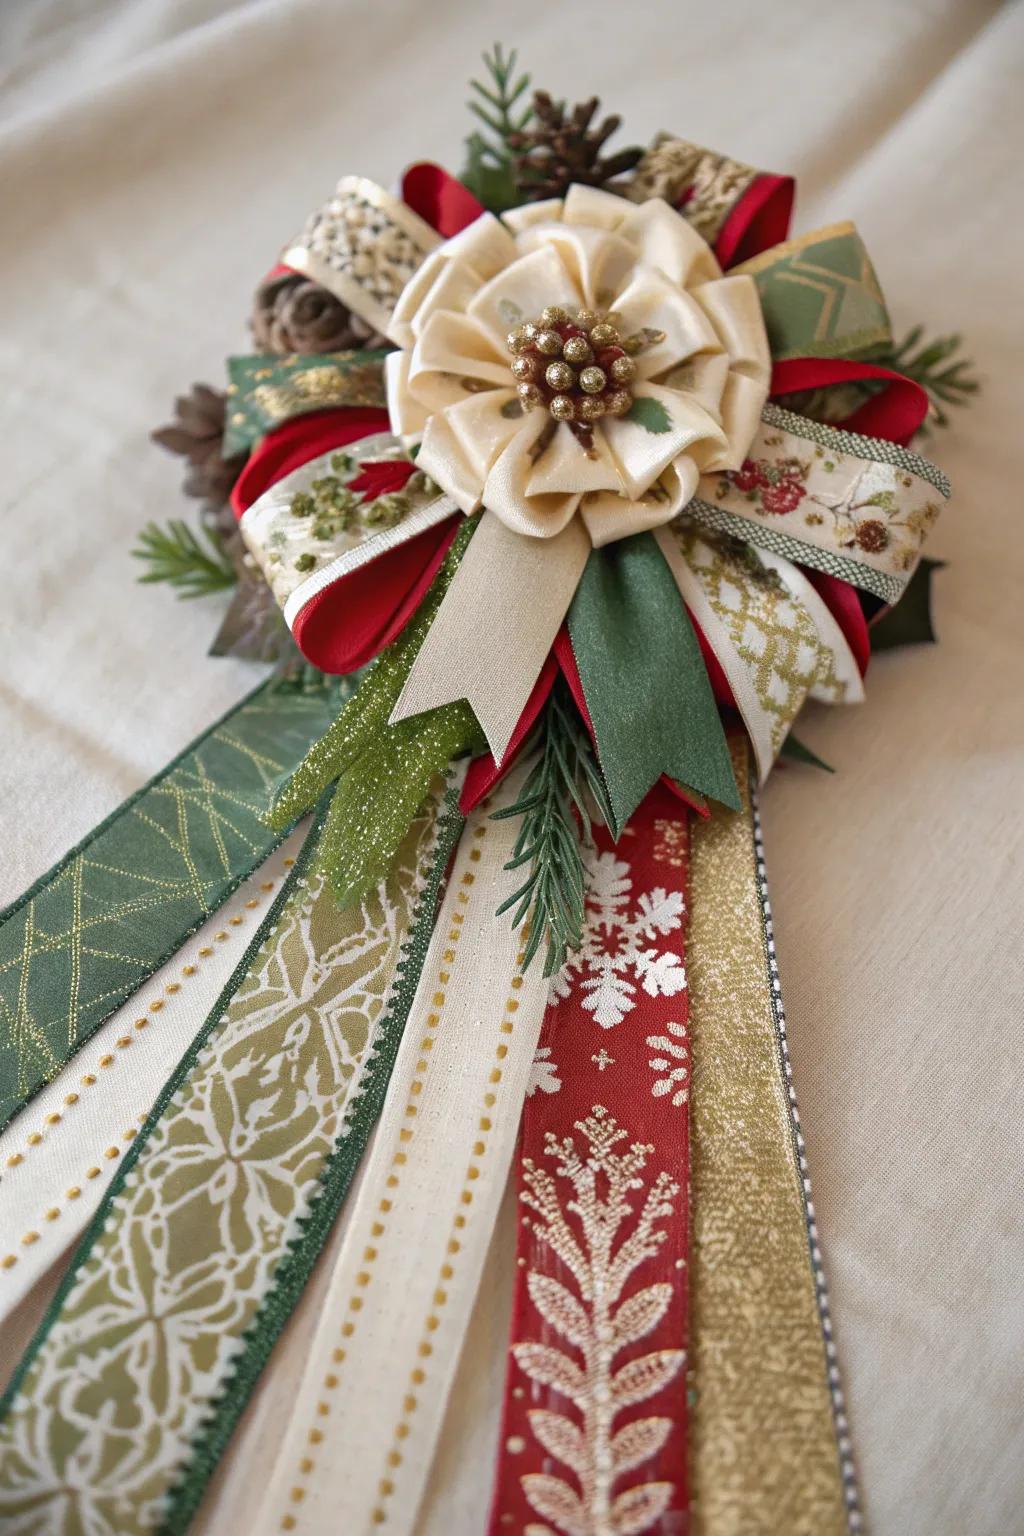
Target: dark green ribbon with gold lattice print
(91, 931)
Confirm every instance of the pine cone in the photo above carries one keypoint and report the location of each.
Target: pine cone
(197, 434)
(293, 314)
(559, 149)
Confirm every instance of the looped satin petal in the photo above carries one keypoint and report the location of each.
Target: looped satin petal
(643, 454)
(705, 364)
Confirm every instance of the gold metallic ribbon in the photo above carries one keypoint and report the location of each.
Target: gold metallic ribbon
(768, 1443)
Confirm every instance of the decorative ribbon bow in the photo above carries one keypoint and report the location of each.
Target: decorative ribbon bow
(582, 371)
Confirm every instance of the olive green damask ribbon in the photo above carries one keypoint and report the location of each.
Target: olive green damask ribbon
(87, 935)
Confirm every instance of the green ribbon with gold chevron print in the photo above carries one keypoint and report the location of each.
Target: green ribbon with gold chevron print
(820, 296)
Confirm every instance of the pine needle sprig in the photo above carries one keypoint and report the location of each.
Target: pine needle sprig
(939, 366)
(499, 106)
(555, 822)
(173, 553)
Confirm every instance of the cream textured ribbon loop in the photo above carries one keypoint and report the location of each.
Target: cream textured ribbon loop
(496, 626)
(361, 1436)
(364, 245)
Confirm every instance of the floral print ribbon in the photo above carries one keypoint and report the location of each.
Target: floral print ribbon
(593, 1437)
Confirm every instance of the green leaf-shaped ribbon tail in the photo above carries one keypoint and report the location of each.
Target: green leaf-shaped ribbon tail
(644, 679)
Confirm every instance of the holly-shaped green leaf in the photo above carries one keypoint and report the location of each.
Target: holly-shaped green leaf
(650, 414)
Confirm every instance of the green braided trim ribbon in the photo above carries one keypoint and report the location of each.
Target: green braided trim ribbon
(92, 931)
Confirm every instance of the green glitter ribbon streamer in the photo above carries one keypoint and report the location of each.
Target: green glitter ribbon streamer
(382, 772)
(645, 681)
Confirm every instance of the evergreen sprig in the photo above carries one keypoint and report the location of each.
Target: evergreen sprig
(555, 821)
(939, 366)
(173, 553)
(499, 107)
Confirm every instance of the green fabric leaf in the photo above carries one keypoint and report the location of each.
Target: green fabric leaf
(798, 753)
(650, 414)
(910, 621)
(644, 678)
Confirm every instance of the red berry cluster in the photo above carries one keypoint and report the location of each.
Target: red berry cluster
(575, 367)
(777, 487)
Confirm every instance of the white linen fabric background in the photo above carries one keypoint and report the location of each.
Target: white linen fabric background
(154, 156)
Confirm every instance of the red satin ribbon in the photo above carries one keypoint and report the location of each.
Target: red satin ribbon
(758, 221)
(896, 413)
(442, 201)
(297, 441)
(594, 1421)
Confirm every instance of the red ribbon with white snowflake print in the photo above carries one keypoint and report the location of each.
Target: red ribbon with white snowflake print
(594, 1430)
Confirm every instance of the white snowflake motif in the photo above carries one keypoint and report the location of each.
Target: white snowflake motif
(619, 952)
(543, 1072)
(675, 1061)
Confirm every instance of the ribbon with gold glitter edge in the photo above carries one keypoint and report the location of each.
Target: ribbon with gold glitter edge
(168, 1499)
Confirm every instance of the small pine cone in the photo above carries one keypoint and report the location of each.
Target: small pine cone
(293, 314)
(197, 434)
(560, 148)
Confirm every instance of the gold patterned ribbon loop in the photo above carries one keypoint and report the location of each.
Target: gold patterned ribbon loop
(713, 183)
(364, 245)
(774, 638)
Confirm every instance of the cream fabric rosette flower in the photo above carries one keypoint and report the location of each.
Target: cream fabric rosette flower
(706, 365)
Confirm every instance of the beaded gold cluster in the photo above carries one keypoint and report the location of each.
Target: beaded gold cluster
(575, 366)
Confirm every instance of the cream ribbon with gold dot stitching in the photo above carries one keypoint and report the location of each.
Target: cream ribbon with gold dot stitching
(362, 1432)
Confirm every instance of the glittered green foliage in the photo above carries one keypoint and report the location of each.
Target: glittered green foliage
(377, 797)
(498, 105)
(175, 554)
(910, 621)
(555, 817)
(382, 772)
(650, 414)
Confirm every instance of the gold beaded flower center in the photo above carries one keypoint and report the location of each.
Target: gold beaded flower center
(575, 366)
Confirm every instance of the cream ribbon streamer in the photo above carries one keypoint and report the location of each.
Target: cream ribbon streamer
(361, 1436)
(496, 626)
